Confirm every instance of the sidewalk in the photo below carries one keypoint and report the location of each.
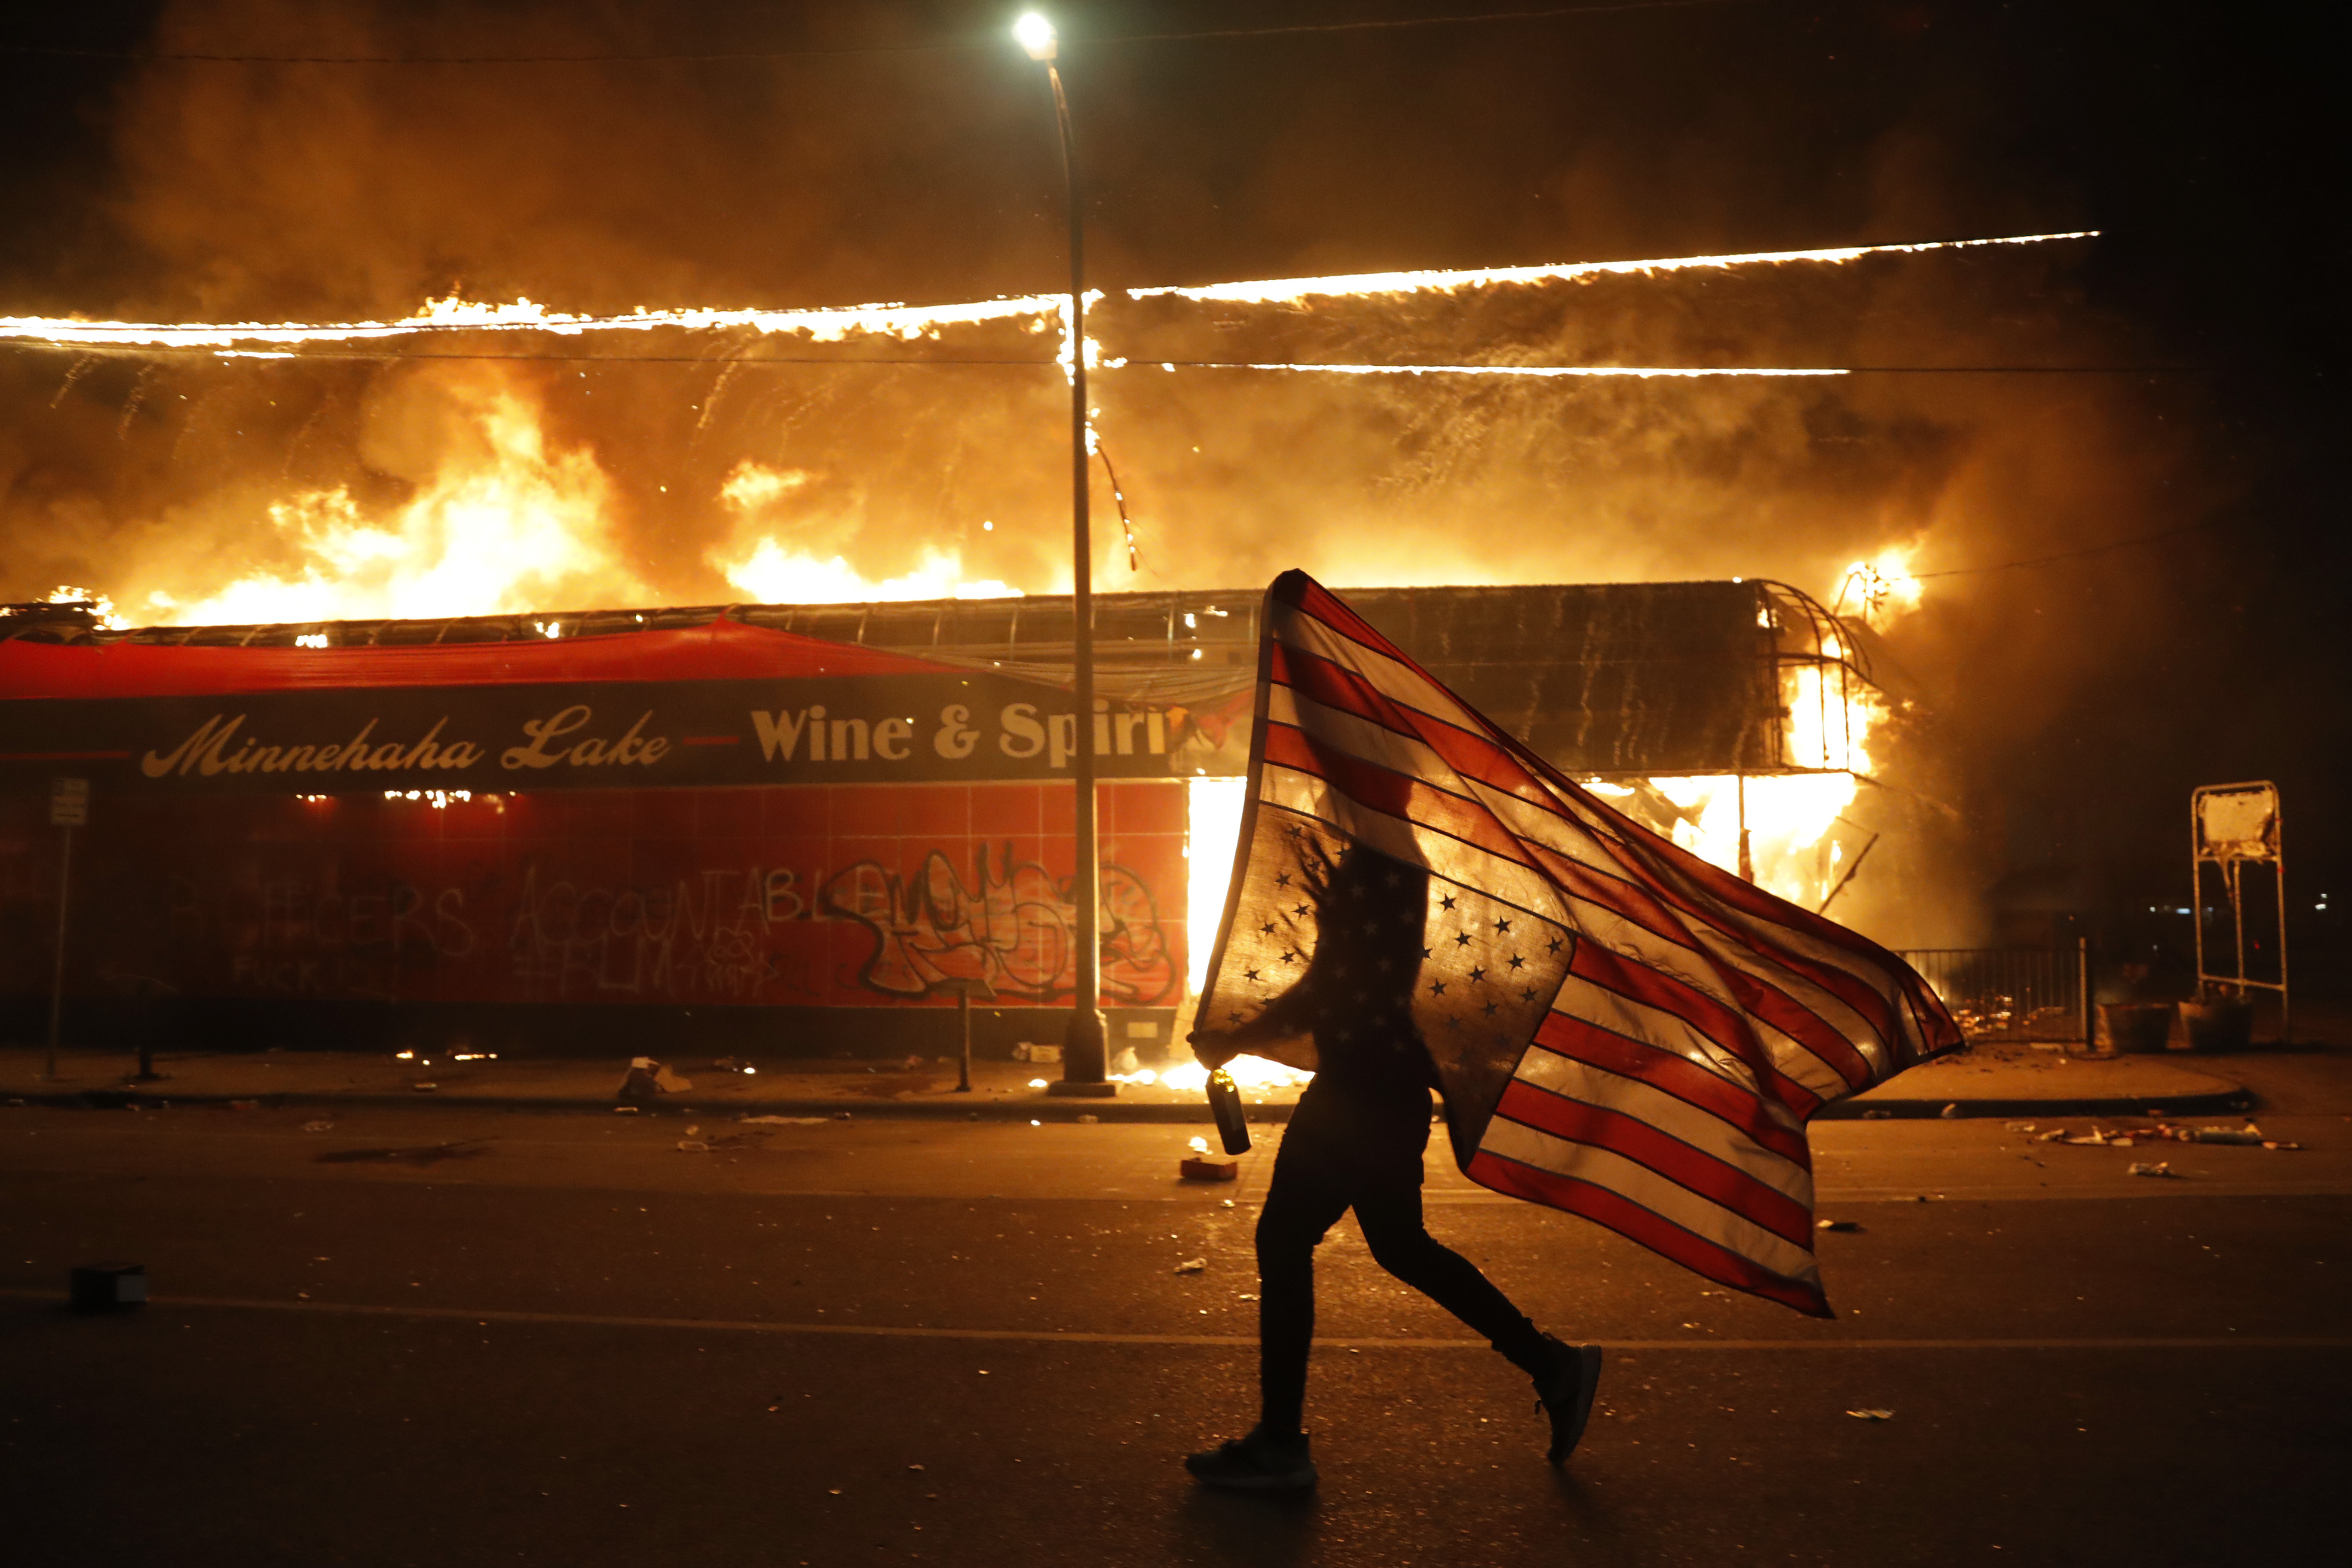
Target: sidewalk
(1990, 1080)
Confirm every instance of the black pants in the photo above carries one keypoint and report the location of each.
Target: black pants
(1338, 1156)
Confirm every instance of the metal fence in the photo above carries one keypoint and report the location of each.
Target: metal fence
(2006, 994)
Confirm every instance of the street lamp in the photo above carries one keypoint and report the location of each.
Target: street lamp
(1084, 1056)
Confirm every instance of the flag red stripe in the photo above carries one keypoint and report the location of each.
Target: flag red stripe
(1579, 1122)
(1580, 1040)
(1468, 752)
(1631, 1220)
(1724, 1025)
(1783, 1011)
(1851, 989)
(1312, 599)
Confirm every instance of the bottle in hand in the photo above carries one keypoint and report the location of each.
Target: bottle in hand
(1225, 1105)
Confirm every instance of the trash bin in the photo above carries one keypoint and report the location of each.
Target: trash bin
(2129, 1028)
(2223, 1024)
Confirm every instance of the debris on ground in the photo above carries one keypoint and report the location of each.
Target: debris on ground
(2053, 1136)
(1872, 1415)
(785, 1121)
(1191, 1266)
(2023, 1127)
(2149, 1168)
(1950, 1112)
(1840, 1224)
(1201, 1168)
(692, 1146)
(647, 1079)
(1877, 1115)
(425, 1088)
(1198, 1145)
(624, 1110)
(2249, 1134)
(1090, 1117)
(317, 1127)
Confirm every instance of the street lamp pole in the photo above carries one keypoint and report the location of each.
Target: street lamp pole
(1084, 1054)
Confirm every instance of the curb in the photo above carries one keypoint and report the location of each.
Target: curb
(2217, 1102)
(1040, 1109)
(1045, 1109)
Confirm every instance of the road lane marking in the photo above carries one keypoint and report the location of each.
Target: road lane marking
(1080, 1337)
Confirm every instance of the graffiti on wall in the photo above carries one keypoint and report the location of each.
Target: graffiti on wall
(700, 938)
(290, 902)
(1012, 927)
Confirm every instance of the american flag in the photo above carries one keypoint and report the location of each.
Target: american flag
(1620, 1029)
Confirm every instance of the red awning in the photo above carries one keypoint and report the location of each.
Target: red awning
(723, 650)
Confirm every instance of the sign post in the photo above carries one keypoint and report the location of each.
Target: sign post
(69, 809)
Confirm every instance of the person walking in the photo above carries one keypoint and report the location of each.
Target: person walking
(1356, 1141)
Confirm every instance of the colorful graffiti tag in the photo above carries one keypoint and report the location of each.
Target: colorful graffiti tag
(1012, 927)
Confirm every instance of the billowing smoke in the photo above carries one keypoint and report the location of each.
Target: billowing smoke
(337, 192)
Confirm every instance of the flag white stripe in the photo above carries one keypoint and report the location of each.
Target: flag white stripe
(1398, 682)
(1637, 1182)
(1791, 1058)
(1457, 859)
(1701, 1131)
(1636, 1020)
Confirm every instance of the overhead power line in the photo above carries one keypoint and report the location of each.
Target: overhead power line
(2072, 554)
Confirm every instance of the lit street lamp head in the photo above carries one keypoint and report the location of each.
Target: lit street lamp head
(1035, 35)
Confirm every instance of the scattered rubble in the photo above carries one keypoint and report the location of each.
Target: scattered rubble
(317, 1127)
(1837, 1225)
(2150, 1168)
(1191, 1266)
(1872, 1415)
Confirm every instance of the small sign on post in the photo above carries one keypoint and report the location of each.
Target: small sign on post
(69, 809)
(69, 802)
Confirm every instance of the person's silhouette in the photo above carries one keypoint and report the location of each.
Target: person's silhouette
(1355, 1140)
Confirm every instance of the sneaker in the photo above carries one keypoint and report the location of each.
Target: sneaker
(1565, 1394)
(1255, 1463)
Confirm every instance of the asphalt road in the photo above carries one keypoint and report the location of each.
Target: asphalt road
(438, 1337)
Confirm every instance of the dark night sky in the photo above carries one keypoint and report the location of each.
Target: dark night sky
(2086, 696)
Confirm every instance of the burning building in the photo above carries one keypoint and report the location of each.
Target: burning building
(797, 828)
